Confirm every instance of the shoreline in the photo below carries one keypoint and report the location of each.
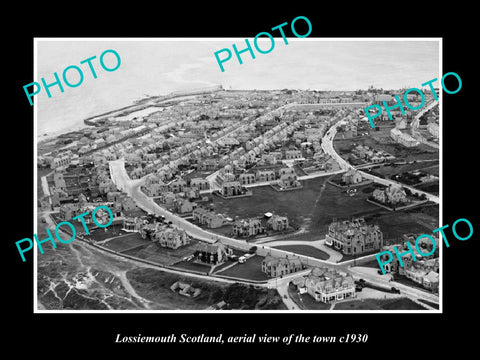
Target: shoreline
(137, 105)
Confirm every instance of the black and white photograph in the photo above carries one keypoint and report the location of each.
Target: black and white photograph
(236, 182)
(263, 187)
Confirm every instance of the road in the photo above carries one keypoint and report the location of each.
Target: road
(132, 187)
(327, 146)
(370, 274)
(416, 121)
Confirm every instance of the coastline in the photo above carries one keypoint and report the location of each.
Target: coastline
(138, 105)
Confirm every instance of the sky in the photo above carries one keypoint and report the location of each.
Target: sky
(157, 67)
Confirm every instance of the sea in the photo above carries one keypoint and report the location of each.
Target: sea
(152, 67)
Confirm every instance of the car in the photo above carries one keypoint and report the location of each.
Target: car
(395, 290)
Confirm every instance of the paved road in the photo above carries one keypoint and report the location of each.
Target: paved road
(334, 256)
(327, 146)
(132, 187)
(370, 274)
(416, 122)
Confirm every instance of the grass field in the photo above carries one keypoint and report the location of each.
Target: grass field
(155, 285)
(126, 242)
(154, 252)
(379, 304)
(250, 270)
(313, 208)
(190, 265)
(305, 250)
(380, 140)
(389, 170)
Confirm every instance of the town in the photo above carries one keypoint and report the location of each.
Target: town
(287, 194)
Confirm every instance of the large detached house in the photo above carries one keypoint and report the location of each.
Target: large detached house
(354, 237)
(327, 285)
(248, 227)
(171, 238)
(275, 267)
(214, 254)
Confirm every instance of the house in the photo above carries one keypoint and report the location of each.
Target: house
(433, 129)
(231, 188)
(69, 211)
(171, 238)
(155, 189)
(403, 138)
(209, 218)
(214, 254)
(107, 186)
(275, 267)
(293, 154)
(200, 184)
(131, 224)
(431, 281)
(208, 165)
(247, 227)
(391, 195)
(265, 175)
(286, 171)
(191, 193)
(354, 237)
(113, 196)
(246, 178)
(59, 181)
(277, 223)
(183, 206)
(167, 198)
(352, 177)
(288, 181)
(270, 158)
(61, 160)
(127, 203)
(177, 186)
(326, 286)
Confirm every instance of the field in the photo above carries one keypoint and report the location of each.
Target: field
(193, 266)
(379, 304)
(250, 270)
(126, 242)
(390, 170)
(380, 140)
(313, 208)
(154, 252)
(155, 285)
(305, 250)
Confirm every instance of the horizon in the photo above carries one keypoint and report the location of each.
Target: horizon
(157, 67)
